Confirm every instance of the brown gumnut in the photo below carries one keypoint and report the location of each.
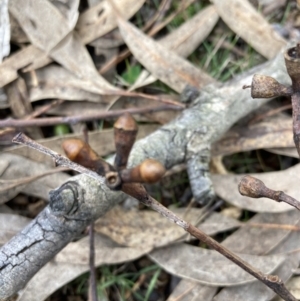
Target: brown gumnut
(149, 171)
(80, 152)
(267, 87)
(252, 187)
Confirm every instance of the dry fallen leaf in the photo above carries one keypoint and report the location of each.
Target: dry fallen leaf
(38, 58)
(250, 25)
(10, 67)
(14, 186)
(288, 151)
(186, 38)
(256, 241)
(58, 40)
(257, 290)
(183, 40)
(19, 168)
(188, 290)
(54, 81)
(209, 267)
(20, 105)
(288, 245)
(10, 225)
(146, 228)
(168, 67)
(276, 132)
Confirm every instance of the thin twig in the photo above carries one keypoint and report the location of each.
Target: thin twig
(44, 109)
(16, 123)
(272, 281)
(136, 190)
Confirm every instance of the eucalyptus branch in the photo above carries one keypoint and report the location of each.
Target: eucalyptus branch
(139, 192)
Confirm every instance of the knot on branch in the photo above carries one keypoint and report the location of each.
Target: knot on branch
(66, 200)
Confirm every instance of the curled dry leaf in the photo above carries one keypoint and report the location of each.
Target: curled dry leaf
(250, 25)
(286, 180)
(71, 262)
(276, 132)
(167, 66)
(209, 267)
(148, 229)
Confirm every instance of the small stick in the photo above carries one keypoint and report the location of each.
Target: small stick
(16, 123)
(139, 192)
(255, 188)
(44, 109)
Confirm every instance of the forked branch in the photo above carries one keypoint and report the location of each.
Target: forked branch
(139, 192)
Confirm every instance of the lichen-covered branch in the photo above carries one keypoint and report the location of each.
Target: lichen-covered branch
(189, 137)
(74, 205)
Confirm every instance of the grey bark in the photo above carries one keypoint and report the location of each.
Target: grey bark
(72, 207)
(75, 204)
